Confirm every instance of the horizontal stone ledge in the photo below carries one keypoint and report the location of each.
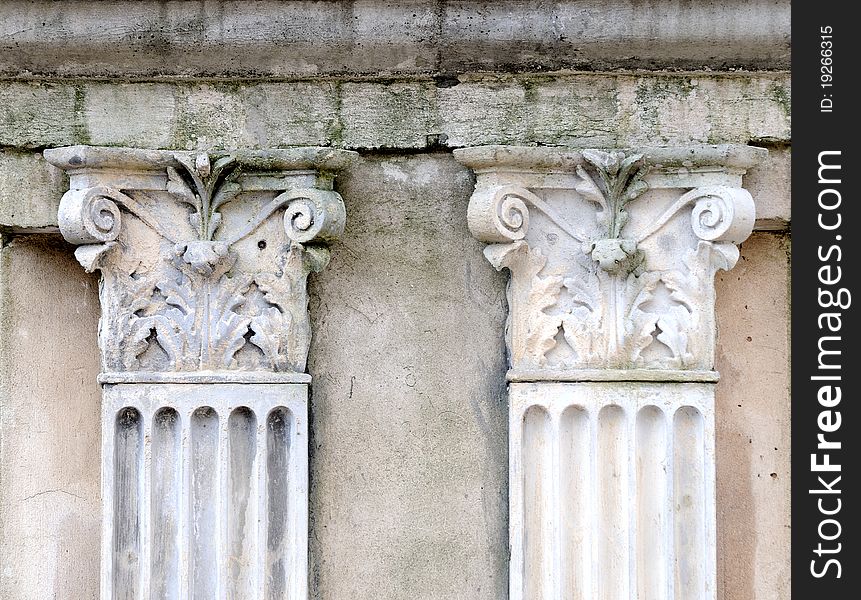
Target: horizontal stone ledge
(556, 160)
(193, 377)
(30, 189)
(281, 39)
(82, 158)
(578, 110)
(608, 375)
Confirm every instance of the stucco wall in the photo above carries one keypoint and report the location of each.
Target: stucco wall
(752, 422)
(409, 431)
(409, 445)
(49, 423)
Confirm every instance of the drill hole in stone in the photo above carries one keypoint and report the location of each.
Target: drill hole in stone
(261, 244)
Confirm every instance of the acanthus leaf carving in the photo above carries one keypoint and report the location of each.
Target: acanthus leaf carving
(541, 327)
(583, 321)
(622, 179)
(534, 333)
(639, 322)
(623, 298)
(288, 307)
(224, 291)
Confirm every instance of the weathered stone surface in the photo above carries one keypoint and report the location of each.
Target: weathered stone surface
(226, 39)
(611, 342)
(29, 190)
(409, 448)
(753, 417)
(580, 110)
(405, 115)
(35, 115)
(142, 115)
(770, 183)
(49, 423)
(405, 270)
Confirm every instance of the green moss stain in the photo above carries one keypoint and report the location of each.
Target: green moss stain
(780, 95)
(335, 134)
(80, 131)
(530, 92)
(654, 94)
(657, 90)
(182, 135)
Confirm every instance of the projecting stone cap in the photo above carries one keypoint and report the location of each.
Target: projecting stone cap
(673, 166)
(86, 164)
(612, 253)
(71, 158)
(204, 256)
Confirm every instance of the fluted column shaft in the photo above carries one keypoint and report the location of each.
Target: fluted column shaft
(611, 339)
(204, 335)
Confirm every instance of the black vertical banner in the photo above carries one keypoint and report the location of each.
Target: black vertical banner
(826, 299)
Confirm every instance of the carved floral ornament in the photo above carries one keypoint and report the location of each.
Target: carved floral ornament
(612, 254)
(204, 257)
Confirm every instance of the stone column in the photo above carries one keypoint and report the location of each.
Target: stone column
(611, 339)
(204, 336)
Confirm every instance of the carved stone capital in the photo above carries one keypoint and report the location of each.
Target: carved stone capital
(204, 256)
(611, 338)
(612, 253)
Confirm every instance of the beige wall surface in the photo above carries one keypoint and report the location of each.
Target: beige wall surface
(409, 437)
(49, 423)
(752, 422)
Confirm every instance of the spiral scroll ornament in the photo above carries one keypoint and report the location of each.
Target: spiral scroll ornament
(512, 215)
(722, 214)
(499, 215)
(91, 215)
(314, 214)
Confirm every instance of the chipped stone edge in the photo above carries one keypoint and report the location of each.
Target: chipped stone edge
(79, 158)
(547, 159)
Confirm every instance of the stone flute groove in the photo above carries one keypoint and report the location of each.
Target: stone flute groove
(611, 341)
(204, 335)
(208, 500)
(616, 488)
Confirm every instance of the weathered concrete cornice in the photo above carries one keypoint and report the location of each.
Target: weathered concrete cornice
(583, 110)
(286, 39)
